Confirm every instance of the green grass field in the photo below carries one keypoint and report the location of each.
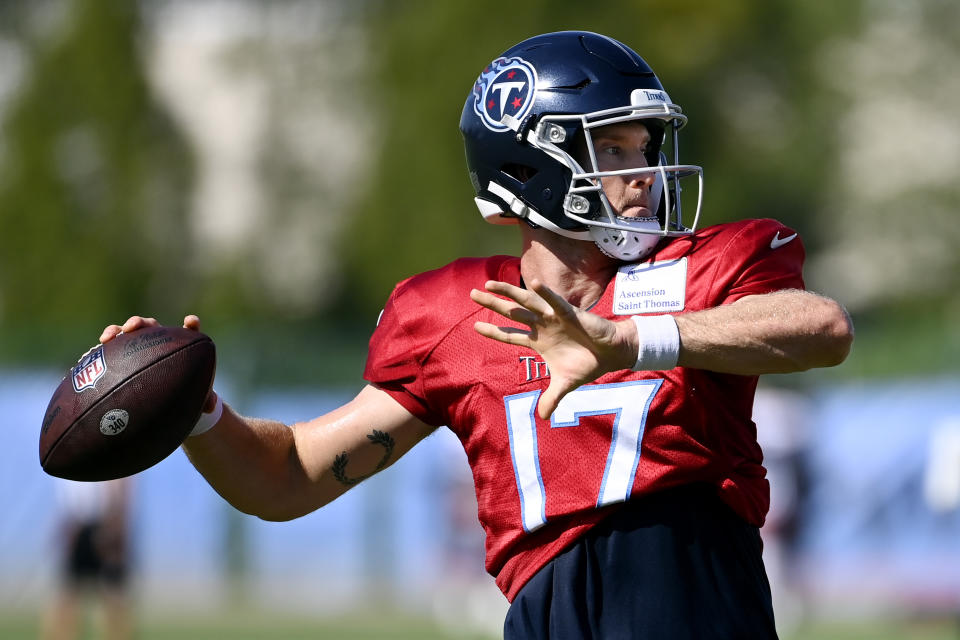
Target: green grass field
(390, 626)
(247, 626)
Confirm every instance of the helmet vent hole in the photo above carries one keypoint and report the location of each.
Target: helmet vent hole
(577, 86)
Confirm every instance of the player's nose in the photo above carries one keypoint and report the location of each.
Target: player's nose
(643, 177)
(641, 180)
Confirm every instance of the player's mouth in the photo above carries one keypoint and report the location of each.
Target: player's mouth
(635, 210)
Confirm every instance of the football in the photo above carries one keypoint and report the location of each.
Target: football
(127, 404)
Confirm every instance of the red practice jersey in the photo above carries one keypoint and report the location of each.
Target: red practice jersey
(542, 483)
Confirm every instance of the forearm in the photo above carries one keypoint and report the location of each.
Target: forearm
(277, 472)
(251, 463)
(780, 332)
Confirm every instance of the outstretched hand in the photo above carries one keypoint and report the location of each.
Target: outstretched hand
(134, 323)
(578, 346)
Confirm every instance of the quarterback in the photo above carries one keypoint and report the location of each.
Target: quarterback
(601, 382)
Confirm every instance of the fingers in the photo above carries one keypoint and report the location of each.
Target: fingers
(524, 297)
(508, 335)
(550, 399)
(539, 299)
(132, 324)
(138, 322)
(506, 308)
(547, 405)
(556, 302)
(492, 302)
(109, 333)
(504, 289)
(211, 402)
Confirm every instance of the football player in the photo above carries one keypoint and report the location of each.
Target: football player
(601, 382)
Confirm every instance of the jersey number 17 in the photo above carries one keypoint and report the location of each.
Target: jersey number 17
(628, 402)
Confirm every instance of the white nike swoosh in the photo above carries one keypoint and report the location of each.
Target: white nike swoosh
(778, 242)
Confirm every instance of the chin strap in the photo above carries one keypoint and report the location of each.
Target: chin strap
(519, 209)
(616, 243)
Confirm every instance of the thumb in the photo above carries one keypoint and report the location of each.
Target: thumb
(551, 397)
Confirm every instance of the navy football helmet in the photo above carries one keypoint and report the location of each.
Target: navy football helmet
(528, 119)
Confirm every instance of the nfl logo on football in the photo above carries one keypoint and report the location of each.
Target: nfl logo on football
(89, 369)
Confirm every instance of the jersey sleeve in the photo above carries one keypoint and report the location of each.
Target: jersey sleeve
(395, 359)
(764, 256)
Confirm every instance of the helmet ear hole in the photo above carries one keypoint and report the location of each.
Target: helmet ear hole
(519, 172)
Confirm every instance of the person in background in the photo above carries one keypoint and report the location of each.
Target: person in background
(93, 539)
(783, 418)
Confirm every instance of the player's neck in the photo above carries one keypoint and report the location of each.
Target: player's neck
(575, 269)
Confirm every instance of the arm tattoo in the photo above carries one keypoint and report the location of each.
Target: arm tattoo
(340, 462)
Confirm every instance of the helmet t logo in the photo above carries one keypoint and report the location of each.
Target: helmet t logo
(504, 88)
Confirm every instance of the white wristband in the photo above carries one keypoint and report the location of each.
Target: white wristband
(208, 420)
(659, 340)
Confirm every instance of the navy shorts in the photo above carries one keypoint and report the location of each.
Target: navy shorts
(678, 564)
(87, 560)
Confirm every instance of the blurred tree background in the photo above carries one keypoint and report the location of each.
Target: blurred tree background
(93, 185)
(277, 167)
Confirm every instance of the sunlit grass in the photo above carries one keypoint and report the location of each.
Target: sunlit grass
(390, 625)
